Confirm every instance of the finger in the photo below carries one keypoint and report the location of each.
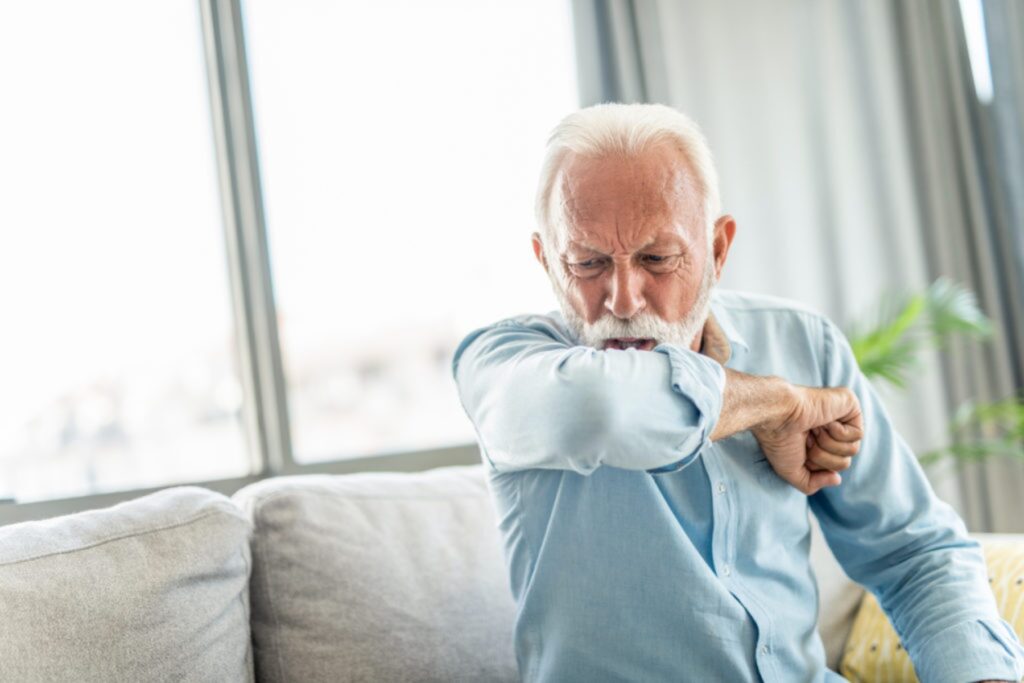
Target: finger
(831, 461)
(818, 459)
(827, 442)
(810, 462)
(819, 480)
(854, 419)
(847, 403)
(808, 482)
(841, 431)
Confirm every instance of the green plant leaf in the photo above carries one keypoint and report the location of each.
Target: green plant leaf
(1005, 418)
(889, 350)
(953, 309)
(905, 325)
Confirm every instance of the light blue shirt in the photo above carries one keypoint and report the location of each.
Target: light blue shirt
(639, 550)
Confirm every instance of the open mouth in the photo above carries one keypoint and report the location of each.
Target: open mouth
(630, 343)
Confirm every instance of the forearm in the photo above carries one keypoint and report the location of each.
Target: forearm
(750, 400)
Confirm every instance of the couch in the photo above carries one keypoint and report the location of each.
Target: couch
(361, 577)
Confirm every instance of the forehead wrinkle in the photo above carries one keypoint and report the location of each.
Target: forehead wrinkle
(629, 232)
(659, 189)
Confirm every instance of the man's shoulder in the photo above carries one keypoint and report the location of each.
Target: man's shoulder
(755, 305)
(551, 325)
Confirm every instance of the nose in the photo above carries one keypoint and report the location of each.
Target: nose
(626, 296)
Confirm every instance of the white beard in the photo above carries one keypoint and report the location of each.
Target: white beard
(643, 325)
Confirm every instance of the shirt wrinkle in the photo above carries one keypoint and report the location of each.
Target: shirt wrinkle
(632, 558)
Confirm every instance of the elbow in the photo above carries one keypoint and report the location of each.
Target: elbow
(569, 430)
(590, 437)
(590, 417)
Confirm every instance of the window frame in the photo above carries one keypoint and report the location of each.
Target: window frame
(265, 419)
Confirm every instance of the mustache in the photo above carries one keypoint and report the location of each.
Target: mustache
(642, 325)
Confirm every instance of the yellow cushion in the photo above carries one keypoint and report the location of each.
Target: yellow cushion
(873, 651)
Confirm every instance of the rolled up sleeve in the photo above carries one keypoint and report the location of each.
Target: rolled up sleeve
(977, 650)
(706, 394)
(538, 401)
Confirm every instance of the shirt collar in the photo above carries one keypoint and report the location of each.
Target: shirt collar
(720, 337)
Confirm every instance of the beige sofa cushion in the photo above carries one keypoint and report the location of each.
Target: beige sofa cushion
(379, 577)
(153, 589)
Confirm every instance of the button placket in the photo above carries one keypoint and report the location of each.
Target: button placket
(720, 510)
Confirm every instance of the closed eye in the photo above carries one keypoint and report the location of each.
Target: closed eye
(660, 263)
(588, 268)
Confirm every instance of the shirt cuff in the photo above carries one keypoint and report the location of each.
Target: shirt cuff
(978, 650)
(701, 379)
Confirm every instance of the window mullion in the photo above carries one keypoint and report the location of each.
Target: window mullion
(266, 411)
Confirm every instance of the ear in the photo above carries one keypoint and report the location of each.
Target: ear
(725, 230)
(538, 250)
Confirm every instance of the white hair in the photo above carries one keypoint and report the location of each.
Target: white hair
(628, 129)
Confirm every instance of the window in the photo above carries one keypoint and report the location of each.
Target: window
(117, 357)
(400, 144)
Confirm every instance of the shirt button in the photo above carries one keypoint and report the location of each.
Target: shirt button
(764, 649)
(721, 487)
(726, 571)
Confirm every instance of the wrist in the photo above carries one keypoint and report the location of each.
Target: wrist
(753, 402)
(780, 397)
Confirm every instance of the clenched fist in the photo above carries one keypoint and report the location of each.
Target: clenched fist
(818, 433)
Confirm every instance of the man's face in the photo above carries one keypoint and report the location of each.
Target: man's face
(638, 262)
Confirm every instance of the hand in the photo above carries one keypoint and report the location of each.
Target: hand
(830, 447)
(819, 433)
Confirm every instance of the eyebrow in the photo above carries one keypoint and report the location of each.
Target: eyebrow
(669, 241)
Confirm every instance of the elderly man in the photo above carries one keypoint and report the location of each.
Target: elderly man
(654, 449)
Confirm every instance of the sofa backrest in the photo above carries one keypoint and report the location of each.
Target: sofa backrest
(379, 577)
(401, 576)
(152, 589)
(369, 576)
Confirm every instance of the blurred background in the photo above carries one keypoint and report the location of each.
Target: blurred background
(241, 239)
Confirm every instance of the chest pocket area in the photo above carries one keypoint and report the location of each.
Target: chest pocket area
(726, 629)
(745, 452)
